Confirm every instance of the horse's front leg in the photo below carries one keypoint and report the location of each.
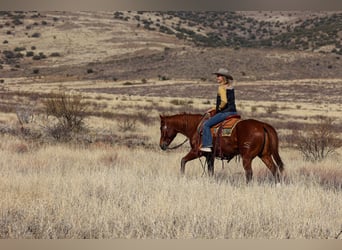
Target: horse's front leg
(210, 162)
(189, 157)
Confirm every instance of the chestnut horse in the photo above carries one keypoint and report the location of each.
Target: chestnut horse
(249, 138)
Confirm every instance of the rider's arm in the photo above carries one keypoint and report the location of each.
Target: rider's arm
(223, 94)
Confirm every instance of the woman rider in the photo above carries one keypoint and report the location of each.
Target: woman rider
(225, 106)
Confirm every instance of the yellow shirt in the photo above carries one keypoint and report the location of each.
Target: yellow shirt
(222, 93)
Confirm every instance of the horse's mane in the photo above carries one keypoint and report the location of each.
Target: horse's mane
(190, 119)
(184, 114)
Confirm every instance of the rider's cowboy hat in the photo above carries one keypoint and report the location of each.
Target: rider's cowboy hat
(223, 72)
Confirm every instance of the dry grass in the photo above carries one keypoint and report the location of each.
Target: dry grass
(112, 192)
(112, 183)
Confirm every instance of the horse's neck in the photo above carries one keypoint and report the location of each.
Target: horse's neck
(188, 125)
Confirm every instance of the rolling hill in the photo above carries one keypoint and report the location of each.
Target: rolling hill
(254, 45)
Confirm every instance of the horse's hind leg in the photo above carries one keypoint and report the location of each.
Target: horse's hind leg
(267, 159)
(247, 165)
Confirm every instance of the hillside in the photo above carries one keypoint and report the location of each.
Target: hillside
(140, 45)
(305, 31)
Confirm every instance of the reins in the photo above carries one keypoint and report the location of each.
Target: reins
(179, 145)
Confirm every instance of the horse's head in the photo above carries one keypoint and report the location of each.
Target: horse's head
(167, 133)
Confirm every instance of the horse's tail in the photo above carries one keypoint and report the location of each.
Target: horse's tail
(274, 145)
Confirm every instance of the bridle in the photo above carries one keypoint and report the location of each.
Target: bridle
(164, 128)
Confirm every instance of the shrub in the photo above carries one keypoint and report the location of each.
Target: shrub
(18, 49)
(271, 109)
(178, 102)
(36, 57)
(163, 78)
(29, 53)
(55, 54)
(317, 143)
(39, 56)
(36, 35)
(254, 109)
(24, 114)
(127, 124)
(128, 84)
(69, 111)
(11, 55)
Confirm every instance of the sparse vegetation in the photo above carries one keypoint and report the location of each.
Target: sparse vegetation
(127, 124)
(135, 191)
(318, 142)
(36, 35)
(94, 144)
(55, 54)
(271, 109)
(70, 112)
(39, 56)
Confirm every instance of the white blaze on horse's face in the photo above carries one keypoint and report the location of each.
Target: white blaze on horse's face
(166, 135)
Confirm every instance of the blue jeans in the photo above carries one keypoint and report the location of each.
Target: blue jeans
(207, 139)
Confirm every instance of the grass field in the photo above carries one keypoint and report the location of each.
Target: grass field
(115, 182)
(101, 191)
(109, 178)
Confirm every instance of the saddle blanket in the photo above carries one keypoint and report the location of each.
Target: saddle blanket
(227, 126)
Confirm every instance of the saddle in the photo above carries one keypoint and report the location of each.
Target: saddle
(226, 127)
(222, 129)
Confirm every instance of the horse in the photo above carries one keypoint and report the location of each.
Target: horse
(249, 138)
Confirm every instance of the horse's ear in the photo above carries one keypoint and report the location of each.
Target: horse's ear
(161, 117)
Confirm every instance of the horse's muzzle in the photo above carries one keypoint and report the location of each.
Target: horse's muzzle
(163, 146)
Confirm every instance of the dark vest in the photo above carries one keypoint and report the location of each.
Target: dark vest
(230, 106)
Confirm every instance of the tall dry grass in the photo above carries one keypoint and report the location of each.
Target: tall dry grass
(101, 191)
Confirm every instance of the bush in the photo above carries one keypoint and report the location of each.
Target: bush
(127, 124)
(24, 114)
(55, 54)
(36, 35)
(271, 109)
(163, 78)
(18, 49)
(29, 53)
(11, 55)
(318, 142)
(39, 56)
(178, 102)
(69, 111)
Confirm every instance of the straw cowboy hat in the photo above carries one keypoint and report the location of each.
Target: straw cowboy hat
(223, 72)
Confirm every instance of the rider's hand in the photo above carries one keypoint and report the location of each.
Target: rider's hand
(210, 110)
